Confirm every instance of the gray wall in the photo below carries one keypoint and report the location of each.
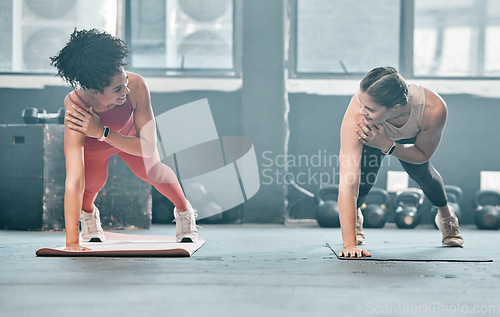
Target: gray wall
(468, 145)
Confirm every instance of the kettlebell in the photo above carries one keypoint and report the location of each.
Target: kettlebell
(408, 202)
(454, 194)
(327, 210)
(487, 214)
(375, 214)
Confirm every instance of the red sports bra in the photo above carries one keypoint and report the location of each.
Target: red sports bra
(119, 119)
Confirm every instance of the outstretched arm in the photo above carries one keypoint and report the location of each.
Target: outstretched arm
(350, 160)
(75, 183)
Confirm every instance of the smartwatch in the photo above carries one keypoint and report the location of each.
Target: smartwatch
(391, 149)
(105, 134)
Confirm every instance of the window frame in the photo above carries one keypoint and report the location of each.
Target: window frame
(406, 64)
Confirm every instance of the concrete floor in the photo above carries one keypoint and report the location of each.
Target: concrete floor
(250, 270)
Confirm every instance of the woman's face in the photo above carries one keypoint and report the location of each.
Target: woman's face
(372, 113)
(116, 93)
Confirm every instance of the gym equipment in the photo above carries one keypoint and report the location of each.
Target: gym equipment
(408, 202)
(375, 214)
(327, 211)
(34, 115)
(123, 245)
(487, 215)
(454, 194)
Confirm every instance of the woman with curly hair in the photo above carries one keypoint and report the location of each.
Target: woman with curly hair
(109, 112)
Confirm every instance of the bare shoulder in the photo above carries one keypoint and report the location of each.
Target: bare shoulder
(354, 106)
(139, 90)
(135, 79)
(66, 101)
(348, 137)
(352, 115)
(137, 83)
(435, 112)
(72, 138)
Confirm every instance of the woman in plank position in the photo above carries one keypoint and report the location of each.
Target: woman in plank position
(388, 117)
(109, 112)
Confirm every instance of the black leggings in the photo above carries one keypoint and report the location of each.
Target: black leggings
(425, 175)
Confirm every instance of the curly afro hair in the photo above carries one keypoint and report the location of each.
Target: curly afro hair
(90, 59)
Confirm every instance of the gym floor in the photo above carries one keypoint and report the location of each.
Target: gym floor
(250, 270)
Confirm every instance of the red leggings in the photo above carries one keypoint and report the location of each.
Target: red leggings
(96, 174)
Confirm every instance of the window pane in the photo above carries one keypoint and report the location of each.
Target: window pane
(6, 35)
(182, 35)
(339, 36)
(148, 33)
(457, 38)
(33, 30)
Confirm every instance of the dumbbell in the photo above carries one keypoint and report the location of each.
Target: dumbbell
(487, 214)
(31, 115)
(375, 214)
(34, 115)
(408, 202)
(454, 194)
(327, 210)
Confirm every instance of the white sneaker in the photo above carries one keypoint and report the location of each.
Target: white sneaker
(185, 225)
(91, 226)
(360, 236)
(451, 230)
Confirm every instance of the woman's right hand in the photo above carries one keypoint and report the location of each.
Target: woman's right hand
(75, 247)
(354, 252)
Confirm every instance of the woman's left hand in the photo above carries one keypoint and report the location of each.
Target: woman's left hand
(373, 136)
(86, 122)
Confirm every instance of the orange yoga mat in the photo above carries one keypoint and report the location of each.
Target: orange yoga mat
(129, 245)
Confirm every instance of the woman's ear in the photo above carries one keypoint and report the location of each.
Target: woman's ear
(396, 107)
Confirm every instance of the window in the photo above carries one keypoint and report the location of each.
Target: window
(345, 37)
(164, 36)
(33, 30)
(459, 38)
(182, 36)
(423, 38)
